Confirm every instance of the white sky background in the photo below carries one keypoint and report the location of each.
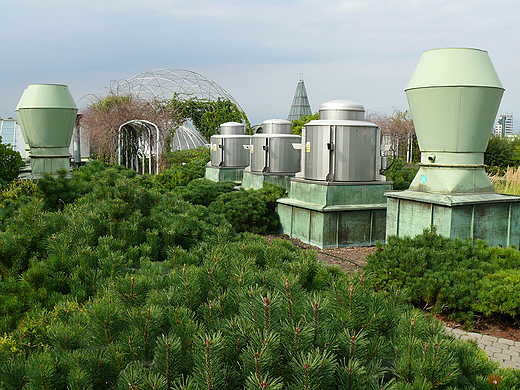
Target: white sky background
(365, 51)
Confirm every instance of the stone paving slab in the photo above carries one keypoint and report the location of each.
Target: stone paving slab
(504, 351)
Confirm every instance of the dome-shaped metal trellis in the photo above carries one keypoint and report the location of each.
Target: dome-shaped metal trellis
(165, 84)
(162, 85)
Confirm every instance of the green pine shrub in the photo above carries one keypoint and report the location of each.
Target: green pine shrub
(204, 191)
(182, 157)
(18, 189)
(228, 323)
(499, 292)
(58, 190)
(401, 174)
(450, 275)
(251, 210)
(182, 174)
(128, 285)
(118, 223)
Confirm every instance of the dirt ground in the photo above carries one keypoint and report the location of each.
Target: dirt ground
(352, 259)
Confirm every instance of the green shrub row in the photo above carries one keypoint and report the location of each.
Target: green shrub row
(128, 285)
(121, 218)
(450, 275)
(243, 314)
(251, 211)
(182, 157)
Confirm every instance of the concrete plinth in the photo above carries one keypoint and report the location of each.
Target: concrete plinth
(256, 180)
(224, 174)
(330, 214)
(491, 217)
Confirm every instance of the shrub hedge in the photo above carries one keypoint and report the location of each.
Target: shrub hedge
(450, 275)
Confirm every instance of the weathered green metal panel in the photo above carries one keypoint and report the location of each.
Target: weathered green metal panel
(392, 217)
(378, 226)
(224, 174)
(354, 227)
(494, 218)
(491, 223)
(330, 215)
(461, 222)
(441, 219)
(285, 218)
(256, 180)
(326, 194)
(301, 224)
(414, 217)
(514, 236)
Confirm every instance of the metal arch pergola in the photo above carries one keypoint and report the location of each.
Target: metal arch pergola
(138, 125)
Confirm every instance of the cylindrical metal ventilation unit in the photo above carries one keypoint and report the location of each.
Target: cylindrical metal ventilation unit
(272, 150)
(227, 148)
(342, 110)
(341, 146)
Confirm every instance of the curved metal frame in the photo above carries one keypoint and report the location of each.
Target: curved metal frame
(138, 125)
(185, 135)
(161, 84)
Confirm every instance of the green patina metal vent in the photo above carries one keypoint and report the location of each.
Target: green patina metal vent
(454, 95)
(47, 114)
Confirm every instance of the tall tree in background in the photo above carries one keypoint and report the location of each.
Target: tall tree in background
(207, 115)
(10, 163)
(298, 124)
(399, 131)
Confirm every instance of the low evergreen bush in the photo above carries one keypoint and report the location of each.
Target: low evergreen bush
(204, 191)
(401, 174)
(251, 210)
(181, 174)
(450, 275)
(129, 286)
(243, 314)
(182, 157)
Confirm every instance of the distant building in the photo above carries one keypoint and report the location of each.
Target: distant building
(504, 126)
(300, 104)
(12, 135)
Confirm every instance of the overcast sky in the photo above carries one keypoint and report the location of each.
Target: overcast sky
(365, 51)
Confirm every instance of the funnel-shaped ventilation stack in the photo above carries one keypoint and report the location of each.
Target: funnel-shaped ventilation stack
(47, 114)
(454, 96)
